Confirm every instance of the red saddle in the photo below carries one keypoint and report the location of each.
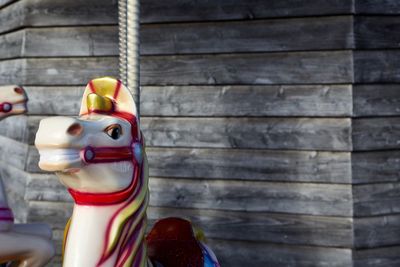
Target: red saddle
(172, 243)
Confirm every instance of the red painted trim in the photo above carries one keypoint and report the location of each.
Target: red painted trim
(117, 89)
(91, 86)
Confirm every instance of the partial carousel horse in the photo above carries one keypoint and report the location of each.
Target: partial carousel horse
(99, 156)
(21, 244)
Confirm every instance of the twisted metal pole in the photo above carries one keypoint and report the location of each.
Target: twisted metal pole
(129, 53)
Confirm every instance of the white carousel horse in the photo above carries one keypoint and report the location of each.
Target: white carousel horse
(99, 156)
(22, 244)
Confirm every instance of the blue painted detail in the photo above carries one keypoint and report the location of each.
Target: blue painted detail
(138, 151)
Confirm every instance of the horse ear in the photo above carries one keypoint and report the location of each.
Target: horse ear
(112, 89)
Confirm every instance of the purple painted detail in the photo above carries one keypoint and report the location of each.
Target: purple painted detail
(210, 260)
(6, 107)
(6, 214)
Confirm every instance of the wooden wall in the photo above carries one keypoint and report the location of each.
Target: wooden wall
(270, 124)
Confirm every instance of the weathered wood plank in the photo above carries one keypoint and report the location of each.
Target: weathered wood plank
(266, 133)
(273, 68)
(187, 10)
(376, 133)
(321, 33)
(371, 232)
(252, 196)
(376, 167)
(14, 181)
(376, 66)
(313, 199)
(58, 13)
(264, 227)
(6, 2)
(376, 100)
(298, 100)
(376, 31)
(376, 199)
(56, 71)
(387, 256)
(11, 45)
(18, 151)
(264, 165)
(238, 254)
(389, 7)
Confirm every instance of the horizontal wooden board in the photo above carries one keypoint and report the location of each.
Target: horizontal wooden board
(275, 68)
(14, 181)
(263, 165)
(228, 225)
(379, 231)
(373, 32)
(50, 42)
(376, 167)
(377, 66)
(386, 256)
(387, 7)
(264, 227)
(238, 254)
(58, 13)
(252, 196)
(376, 199)
(376, 133)
(376, 100)
(6, 2)
(253, 101)
(271, 68)
(265, 133)
(11, 45)
(318, 33)
(188, 10)
(13, 152)
(56, 71)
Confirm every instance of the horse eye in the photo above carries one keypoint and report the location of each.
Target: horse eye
(114, 131)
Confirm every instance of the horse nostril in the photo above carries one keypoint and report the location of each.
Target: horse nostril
(75, 129)
(19, 90)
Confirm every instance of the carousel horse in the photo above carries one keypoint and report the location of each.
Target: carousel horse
(99, 156)
(21, 245)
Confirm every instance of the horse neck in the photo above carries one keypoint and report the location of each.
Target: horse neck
(109, 235)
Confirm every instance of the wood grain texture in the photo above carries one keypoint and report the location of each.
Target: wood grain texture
(11, 45)
(375, 167)
(376, 199)
(252, 196)
(57, 13)
(264, 227)
(275, 68)
(386, 7)
(18, 151)
(251, 101)
(262, 165)
(14, 180)
(376, 100)
(322, 33)
(376, 133)
(376, 66)
(268, 133)
(238, 254)
(188, 10)
(379, 231)
(386, 256)
(373, 32)
(56, 71)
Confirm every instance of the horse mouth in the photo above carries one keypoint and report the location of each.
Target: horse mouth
(62, 159)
